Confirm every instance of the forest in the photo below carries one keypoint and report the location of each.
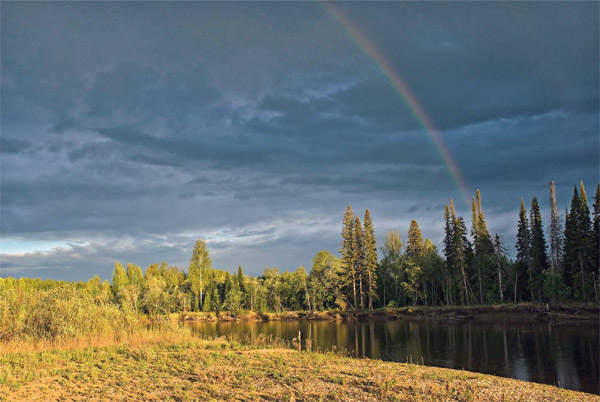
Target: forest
(554, 264)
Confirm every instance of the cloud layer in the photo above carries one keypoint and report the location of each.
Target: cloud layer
(131, 129)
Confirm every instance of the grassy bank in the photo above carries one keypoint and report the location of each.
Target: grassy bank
(527, 311)
(172, 365)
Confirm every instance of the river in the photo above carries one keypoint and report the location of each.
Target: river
(566, 355)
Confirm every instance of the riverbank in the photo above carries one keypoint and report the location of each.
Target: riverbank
(186, 368)
(515, 312)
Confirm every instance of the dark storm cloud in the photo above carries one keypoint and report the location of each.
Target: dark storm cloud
(468, 63)
(14, 146)
(130, 129)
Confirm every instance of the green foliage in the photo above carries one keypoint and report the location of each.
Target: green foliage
(199, 264)
(348, 253)
(523, 261)
(370, 259)
(415, 246)
(119, 281)
(233, 297)
(579, 251)
(539, 257)
(414, 275)
(156, 299)
(325, 283)
(554, 287)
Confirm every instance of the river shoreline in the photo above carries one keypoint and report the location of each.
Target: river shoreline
(588, 313)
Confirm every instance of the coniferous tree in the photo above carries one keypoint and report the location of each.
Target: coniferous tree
(347, 252)
(596, 249)
(449, 254)
(478, 254)
(240, 278)
(370, 257)
(462, 252)
(233, 299)
(215, 300)
(415, 246)
(578, 254)
(484, 251)
(570, 256)
(358, 240)
(539, 258)
(587, 242)
(556, 240)
(483, 230)
(523, 261)
(464, 256)
(207, 305)
(415, 252)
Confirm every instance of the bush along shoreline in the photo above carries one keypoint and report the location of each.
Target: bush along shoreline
(512, 312)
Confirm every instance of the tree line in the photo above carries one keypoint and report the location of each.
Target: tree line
(473, 268)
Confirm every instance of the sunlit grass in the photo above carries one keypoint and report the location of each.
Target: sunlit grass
(167, 363)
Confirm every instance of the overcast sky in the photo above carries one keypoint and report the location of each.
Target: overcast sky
(131, 129)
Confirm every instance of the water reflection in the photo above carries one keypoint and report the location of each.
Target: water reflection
(563, 355)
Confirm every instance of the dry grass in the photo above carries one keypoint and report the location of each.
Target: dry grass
(157, 365)
(140, 336)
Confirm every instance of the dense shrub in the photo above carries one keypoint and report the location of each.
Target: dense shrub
(61, 311)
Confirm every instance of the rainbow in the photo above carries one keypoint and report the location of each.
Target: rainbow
(403, 90)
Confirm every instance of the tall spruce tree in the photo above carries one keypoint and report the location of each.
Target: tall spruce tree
(358, 239)
(464, 256)
(413, 264)
(554, 287)
(596, 258)
(578, 252)
(484, 249)
(483, 230)
(596, 242)
(539, 258)
(556, 239)
(347, 252)
(476, 240)
(586, 244)
(415, 246)
(449, 254)
(370, 257)
(461, 252)
(570, 256)
(523, 261)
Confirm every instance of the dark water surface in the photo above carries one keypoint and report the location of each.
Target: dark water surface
(566, 355)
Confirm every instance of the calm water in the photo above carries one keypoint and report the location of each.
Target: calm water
(563, 355)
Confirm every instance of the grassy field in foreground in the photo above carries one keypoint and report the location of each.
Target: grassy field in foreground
(178, 367)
